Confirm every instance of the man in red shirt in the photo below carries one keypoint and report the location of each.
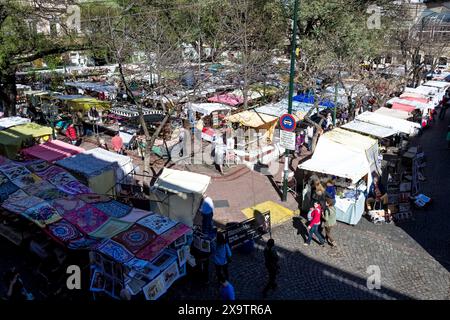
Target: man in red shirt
(313, 227)
(117, 143)
(71, 133)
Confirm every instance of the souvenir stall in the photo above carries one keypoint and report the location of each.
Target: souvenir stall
(13, 139)
(260, 143)
(211, 116)
(101, 170)
(178, 194)
(52, 151)
(349, 157)
(140, 251)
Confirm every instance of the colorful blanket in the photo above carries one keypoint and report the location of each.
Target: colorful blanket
(61, 178)
(39, 166)
(88, 219)
(64, 231)
(152, 250)
(25, 181)
(15, 172)
(68, 204)
(115, 250)
(74, 188)
(113, 208)
(136, 238)
(38, 187)
(6, 189)
(135, 215)
(175, 233)
(42, 214)
(46, 171)
(110, 229)
(159, 224)
(84, 243)
(20, 201)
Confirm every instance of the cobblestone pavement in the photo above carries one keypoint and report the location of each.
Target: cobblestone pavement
(413, 256)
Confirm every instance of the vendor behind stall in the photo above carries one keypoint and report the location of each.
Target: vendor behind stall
(377, 194)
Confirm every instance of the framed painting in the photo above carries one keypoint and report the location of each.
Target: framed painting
(154, 289)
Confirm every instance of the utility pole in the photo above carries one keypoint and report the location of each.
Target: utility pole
(291, 93)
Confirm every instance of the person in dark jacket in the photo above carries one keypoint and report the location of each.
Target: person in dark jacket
(271, 261)
(221, 256)
(377, 194)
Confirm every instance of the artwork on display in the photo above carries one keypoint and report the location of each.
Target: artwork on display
(109, 285)
(159, 224)
(155, 288)
(97, 281)
(180, 241)
(95, 258)
(115, 250)
(182, 254)
(134, 285)
(163, 260)
(170, 275)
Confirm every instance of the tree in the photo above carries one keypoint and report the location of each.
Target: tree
(21, 43)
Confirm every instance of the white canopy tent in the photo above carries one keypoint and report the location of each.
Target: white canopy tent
(349, 155)
(9, 122)
(369, 129)
(416, 104)
(404, 126)
(442, 85)
(179, 194)
(399, 114)
(207, 108)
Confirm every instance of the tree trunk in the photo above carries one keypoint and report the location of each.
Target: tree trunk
(8, 91)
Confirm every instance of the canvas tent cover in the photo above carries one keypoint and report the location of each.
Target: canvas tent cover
(299, 109)
(410, 103)
(370, 129)
(207, 108)
(53, 150)
(252, 119)
(85, 104)
(177, 181)
(400, 125)
(399, 114)
(344, 154)
(9, 122)
(437, 84)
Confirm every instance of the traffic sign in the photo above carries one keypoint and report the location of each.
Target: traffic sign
(287, 122)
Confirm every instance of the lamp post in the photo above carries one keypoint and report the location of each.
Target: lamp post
(291, 93)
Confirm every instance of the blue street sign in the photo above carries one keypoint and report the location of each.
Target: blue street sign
(287, 122)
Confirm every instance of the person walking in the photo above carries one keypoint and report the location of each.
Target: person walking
(226, 290)
(271, 260)
(329, 218)
(310, 135)
(299, 142)
(117, 143)
(207, 212)
(221, 256)
(71, 133)
(314, 223)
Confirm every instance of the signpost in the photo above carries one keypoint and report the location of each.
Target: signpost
(249, 229)
(287, 122)
(287, 140)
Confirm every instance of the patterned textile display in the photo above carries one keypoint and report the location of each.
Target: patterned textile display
(16, 171)
(115, 250)
(61, 178)
(113, 208)
(3, 179)
(4, 160)
(93, 198)
(175, 233)
(38, 187)
(151, 251)
(85, 243)
(110, 229)
(42, 214)
(47, 171)
(88, 219)
(25, 181)
(6, 189)
(135, 215)
(39, 167)
(64, 231)
(20, 201)
(159, 224)
(136, 238)
(74, 188)
(68, 204)
(51, 194)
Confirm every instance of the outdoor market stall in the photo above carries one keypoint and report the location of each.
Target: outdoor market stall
(399, 114)
(9, 122)
(52, 151)
(101, 170)
(404, 126)
(352, 158)
(369, 129)
(13, 139)
(178, 194)
(137, 250)
(226, 98)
